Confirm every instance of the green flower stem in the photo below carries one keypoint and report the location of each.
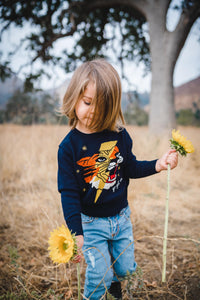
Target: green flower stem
(166, 226)
(79, 281)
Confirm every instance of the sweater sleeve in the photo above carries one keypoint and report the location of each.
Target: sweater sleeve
(138, 168)
(69, 189)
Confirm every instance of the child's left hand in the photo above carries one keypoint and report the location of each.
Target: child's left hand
(170, 157)
(80, 242)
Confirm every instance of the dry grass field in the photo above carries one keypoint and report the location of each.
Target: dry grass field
(30, 208)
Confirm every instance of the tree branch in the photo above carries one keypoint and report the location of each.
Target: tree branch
(156, 11)
(186, 21)
(55, 37)
(138, 5)
(45, 46)
(75, 20)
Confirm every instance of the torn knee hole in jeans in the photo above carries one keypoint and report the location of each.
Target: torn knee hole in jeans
(91, 258)
(130, 238)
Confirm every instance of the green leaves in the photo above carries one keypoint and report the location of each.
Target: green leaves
(175, 145)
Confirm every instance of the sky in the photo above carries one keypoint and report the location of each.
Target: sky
(186, 69)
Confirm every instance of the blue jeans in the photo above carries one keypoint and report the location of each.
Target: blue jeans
(108, 250)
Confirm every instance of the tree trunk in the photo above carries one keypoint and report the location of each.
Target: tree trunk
(162, 110)
(165, 48)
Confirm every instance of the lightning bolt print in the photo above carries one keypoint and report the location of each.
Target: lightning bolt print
(106, 152)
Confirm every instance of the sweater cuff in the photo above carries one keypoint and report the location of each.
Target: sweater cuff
(74, 224)
(155, 161)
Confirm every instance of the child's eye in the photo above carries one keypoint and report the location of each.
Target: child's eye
(87, 102)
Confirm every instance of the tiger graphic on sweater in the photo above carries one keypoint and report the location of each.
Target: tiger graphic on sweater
(101, 169)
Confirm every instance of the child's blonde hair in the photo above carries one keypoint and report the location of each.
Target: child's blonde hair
(107, 100)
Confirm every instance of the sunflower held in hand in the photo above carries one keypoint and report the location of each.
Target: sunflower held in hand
(180, 143)
(62, 245)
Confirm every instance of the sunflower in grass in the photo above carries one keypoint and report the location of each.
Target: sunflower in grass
(180, 143)
(62, 245)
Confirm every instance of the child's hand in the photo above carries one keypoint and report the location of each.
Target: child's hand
(79, 241)
(170, 157)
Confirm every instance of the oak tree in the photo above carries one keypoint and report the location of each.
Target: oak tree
(95, 25)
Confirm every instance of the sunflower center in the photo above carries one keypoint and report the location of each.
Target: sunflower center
(65, 246)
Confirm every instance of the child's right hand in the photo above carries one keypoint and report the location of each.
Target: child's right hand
(79, 241)
(170, 157)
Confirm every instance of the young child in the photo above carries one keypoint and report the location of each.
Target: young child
(95, 163)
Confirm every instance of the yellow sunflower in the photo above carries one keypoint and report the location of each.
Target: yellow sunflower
(180, 143)
(62, 246)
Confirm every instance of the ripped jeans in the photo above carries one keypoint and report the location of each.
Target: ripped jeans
(108, 250)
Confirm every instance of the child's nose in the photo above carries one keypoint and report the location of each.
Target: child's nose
(92, 109)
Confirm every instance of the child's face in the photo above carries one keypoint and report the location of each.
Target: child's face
(85, 109)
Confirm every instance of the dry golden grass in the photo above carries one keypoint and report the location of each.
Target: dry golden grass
(30, 209)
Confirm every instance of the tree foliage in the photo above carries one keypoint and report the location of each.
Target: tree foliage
(133, 30)
(94, 26)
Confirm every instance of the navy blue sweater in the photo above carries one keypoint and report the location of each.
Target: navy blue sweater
(93, 174)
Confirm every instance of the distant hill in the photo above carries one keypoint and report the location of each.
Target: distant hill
(142, 98)
(187, 95)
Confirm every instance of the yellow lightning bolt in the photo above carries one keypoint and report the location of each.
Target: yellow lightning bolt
(105, 151)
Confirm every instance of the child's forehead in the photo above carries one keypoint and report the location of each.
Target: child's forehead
(90, 90)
